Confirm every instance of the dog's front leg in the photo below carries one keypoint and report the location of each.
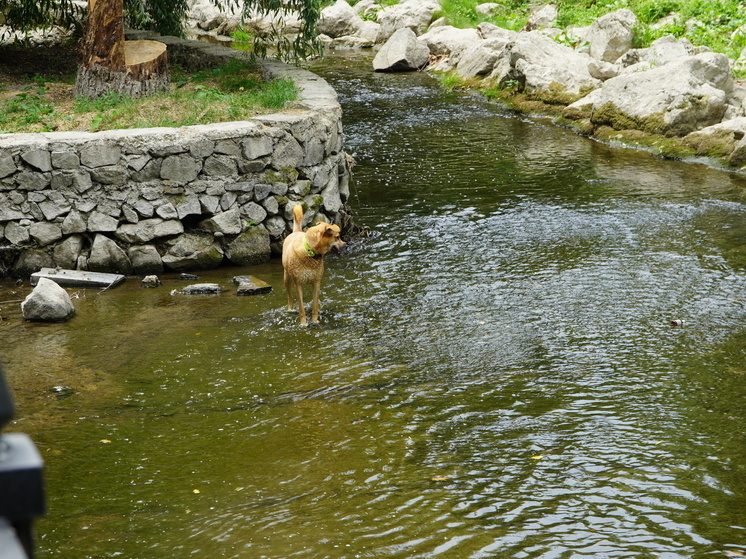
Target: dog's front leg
(315, 305)
(301, 308)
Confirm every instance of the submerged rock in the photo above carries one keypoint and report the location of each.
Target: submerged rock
(48, 302)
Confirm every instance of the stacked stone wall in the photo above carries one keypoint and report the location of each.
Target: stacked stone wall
(147, 200)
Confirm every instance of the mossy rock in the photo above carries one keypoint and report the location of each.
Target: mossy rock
(717, 144)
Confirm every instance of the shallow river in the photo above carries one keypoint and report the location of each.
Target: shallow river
(495, 375)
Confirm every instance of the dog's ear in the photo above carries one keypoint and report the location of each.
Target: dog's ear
(330, 230)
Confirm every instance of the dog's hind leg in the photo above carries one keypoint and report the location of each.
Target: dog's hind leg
(289, 291)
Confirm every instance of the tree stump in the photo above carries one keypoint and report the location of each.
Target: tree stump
(133, 68)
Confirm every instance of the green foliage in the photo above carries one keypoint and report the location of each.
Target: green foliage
(162, 16)
(241, 36)
(23, 15)
(303, 46)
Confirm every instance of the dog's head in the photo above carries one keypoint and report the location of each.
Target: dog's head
(326, 237)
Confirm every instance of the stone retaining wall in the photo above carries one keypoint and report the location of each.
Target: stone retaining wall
(144, 200)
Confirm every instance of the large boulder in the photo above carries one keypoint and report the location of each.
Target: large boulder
(538, 65)
(48, 302)
(542, 18)
(446, 39)
(401, 53)
(659, 53)
(417, 15)
(674, 99)
(249, 248)
(192, 252)
(610, 36)
(339, 20)
(479, 59)
(107, 256)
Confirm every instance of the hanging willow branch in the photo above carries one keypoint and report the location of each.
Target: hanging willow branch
(302, 46)
(23, 15)
(166, 17)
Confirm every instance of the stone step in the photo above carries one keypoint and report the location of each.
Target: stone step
(77, 278)
(251, 285)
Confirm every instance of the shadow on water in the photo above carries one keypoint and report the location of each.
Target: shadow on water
(495, 374)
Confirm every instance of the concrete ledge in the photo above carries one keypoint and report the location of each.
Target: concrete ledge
(144, 200)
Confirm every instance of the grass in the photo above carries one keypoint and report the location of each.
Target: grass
(227, 93)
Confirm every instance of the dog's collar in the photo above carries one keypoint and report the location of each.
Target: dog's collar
(310, 251)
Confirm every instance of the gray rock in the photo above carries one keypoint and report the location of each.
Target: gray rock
(48, 302)
(65, 160)
(339, 20)
(201, 148)
(220, 166)
(180, 169)
(107, 256)
(277, 227)
(401, 53)
(209, 204)
(39, 159)
(144, 208)
(202, 289)
(480, 58)
(249, 248)
(74, 222)
(100, 155)
(150, 281)
(542, 18)
(227, 223)
(190, 205)
(16, 233)
(287, 153)
(31, 260)
(147, 230)
(145, 259)
(7, 166)
(67, 252)
(255, 147)
(167, 211)
(253, 213)
(27, 180)
(53, 210)
(44, 233)
(82, 181)
(193, 252)
(99, 222)
(416, 15)
(611, 36)
(537, 64)
(110, 174)
(446, 40)
(677, 98)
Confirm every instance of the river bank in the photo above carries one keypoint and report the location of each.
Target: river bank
(673, 98)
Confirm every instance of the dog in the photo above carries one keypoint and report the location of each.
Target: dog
(303, 260)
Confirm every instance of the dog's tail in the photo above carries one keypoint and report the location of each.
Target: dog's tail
(297, 218)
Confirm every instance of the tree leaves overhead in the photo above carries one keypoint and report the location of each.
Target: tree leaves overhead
(302, 46)
(23, 15)
(166, 17)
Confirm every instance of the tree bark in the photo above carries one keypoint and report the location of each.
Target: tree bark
(109, 63)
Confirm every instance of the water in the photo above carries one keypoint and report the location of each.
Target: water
(495, 375)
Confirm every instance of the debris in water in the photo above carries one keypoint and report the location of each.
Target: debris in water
(677, 323)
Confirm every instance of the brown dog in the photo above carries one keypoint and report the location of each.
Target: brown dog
(303, 260)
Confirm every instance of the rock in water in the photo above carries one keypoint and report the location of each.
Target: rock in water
(48, 302)
(401, 53)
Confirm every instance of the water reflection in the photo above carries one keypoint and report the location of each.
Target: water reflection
(495, 374)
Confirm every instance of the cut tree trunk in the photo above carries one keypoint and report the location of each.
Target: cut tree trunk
(111, 64)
